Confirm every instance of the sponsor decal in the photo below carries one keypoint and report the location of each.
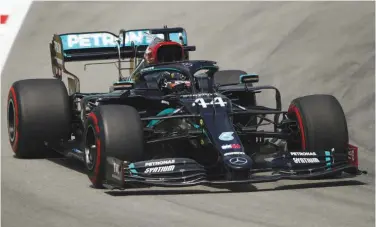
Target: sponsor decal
(226, 136)
(306, 160)
(116, 168)
(351, 155)
(197, 95)
(238, 161)
(231, 146)
(235, 153)
(165, 162)
(116, 171)
(91, 40)
(303, 153)
(103, 39)
(187, 64)
(160, 169)
(216, 101)
(57, 47)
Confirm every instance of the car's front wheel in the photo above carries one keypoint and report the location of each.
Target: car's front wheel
(111, 131)
(321, 122)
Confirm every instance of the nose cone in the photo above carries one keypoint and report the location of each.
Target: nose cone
(238, 162)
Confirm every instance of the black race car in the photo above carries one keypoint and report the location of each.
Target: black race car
(172, 122)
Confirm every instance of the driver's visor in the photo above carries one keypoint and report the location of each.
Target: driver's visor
(172, 84)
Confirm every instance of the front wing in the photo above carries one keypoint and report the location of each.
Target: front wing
(180, 172)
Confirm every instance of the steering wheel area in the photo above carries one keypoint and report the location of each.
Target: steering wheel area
(173, 82)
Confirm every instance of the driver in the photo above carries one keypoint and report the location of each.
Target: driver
(173, 82)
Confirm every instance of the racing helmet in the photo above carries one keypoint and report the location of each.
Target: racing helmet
(161, 51)
(173, 82)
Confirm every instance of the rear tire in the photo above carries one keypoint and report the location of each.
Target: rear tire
(111, 130)
(38, 111)
(322, 123)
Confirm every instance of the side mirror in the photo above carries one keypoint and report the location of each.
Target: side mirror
(249, 78)
(189, 48)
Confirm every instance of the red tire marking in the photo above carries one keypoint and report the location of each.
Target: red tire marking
(94, 179)
(353, 155)
(294, 109)
(4, 18)
(12, 95)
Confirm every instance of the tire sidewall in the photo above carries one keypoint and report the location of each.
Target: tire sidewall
(13, 100)
(38, 118)
(118, 134)
(312, 127)
(97, 173)
(295, 113)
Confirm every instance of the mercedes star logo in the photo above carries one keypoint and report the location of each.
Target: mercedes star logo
(238, 161)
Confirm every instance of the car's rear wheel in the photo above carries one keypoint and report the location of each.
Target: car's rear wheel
(111, 131)
(38, 111)
(321, 122)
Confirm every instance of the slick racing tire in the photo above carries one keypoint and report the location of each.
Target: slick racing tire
(38, 111)
(115, 131)
(321, 122)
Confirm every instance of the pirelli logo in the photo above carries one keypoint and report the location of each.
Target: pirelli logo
(303, 153)
(306, 159)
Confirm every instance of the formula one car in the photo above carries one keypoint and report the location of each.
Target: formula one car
(171, 122)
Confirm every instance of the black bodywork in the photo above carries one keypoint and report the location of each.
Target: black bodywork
(185, 146)
(212, 134)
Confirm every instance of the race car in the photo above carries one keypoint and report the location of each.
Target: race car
(172, 121)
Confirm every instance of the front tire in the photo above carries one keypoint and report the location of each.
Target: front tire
(321, 122)
(115, 131)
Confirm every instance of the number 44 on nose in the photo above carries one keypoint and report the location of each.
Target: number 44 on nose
(215, 101)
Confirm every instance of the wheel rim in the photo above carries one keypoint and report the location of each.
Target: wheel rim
(293, 115)
(11, 121)
(90, 149)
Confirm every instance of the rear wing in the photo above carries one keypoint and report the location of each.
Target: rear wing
(104, 45)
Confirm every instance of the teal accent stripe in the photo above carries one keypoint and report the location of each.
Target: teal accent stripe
(328, 159)
(162, 113)
(132, 168)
